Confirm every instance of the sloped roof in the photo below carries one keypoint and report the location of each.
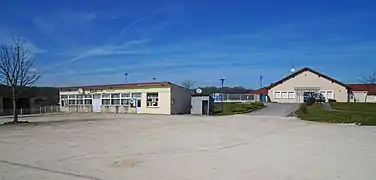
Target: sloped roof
(310, 70)
(263, 90)
(129, 85)
(371, 88)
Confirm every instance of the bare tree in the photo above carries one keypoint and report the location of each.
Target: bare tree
(17, 69)
(189, 84)
(371, 79)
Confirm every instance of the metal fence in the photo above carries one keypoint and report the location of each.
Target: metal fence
(236, 97)
(38, 110)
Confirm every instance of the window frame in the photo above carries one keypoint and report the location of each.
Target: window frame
(286, 95)
(154, 100)
(291, 97)
(275, 95)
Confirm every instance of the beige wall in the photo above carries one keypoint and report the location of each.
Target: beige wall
(371, 99)
(181, 98)
(360, 96)
(164, 100)
(309, 79)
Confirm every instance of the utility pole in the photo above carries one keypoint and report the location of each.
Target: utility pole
(261, 81)
(126, 78)
(222, 81)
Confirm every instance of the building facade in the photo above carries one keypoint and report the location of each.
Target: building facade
(364, 93)
(137, 98)
(293, 88)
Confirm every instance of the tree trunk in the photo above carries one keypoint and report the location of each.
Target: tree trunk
(15, 115)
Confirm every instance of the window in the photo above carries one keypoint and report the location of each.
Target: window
(115, 95)
(284, 95)
(80, 101)
(106, 101)
(72, 102)
(152, 99)
(88, 96)
(115, 101)
(277, 95)
(329, 94)
(64, 97)
(125, 95)
(106, 95)
(96, 96)
(72, 96)
(136, 95)
(125, 102)
(88, 101)
(291, 95)
(62, 103)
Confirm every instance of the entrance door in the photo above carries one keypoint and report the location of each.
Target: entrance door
(97, 103)
(205, 107)
(138, 105)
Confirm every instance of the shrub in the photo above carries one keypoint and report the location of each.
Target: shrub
(303, 108)
(332, 100)
(310, 101)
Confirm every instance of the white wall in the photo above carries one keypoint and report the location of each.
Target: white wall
(360, 96)
(308, 79)
(181, 98)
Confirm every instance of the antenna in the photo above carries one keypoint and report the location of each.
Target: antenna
(292, 70)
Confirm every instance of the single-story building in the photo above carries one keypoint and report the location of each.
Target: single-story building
(363, 93)
(145, 98)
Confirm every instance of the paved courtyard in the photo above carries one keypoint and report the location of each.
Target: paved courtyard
(109, 146)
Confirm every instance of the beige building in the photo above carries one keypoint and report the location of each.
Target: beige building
(144, 98)
(294, 87)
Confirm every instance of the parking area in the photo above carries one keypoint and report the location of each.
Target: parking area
(113, 146)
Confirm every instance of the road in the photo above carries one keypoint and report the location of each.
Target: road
(277, 109)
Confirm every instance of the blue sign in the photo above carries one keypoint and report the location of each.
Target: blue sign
(217, 97)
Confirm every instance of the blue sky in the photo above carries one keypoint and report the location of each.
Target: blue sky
(82, 43)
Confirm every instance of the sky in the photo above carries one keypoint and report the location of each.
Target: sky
(96, 42)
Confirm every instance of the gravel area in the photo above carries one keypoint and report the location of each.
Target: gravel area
(113, 146)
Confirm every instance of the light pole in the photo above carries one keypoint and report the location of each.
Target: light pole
(222, 81)
(126, 78)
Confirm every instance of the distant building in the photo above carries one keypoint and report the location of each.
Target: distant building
(295, 87)
(144, 98)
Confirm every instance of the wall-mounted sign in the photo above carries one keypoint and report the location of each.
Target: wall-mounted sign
(95, 90)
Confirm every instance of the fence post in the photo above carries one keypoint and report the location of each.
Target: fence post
(21, 111)
(40, 110)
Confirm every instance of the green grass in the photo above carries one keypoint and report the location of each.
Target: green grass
(359, 107)
(236, 108)
(317, 113)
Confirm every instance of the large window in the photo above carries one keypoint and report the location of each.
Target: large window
(277, 95)
(152, 99)
(329, 94)
(291, 95)
(72, 102)
(284, 95)
(88, 101)
(115, 101)
(125, 102)
(106, 102)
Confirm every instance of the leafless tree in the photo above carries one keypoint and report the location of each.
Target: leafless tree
(17, 69)
(189, 84)
(371, 79)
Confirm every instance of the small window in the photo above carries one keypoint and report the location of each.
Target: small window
(72, 96)
(115, 95)
(64, 97)
(96, 96)
(136, 95)
(115, 101)
(106, 95)
(88, 101)
(72, 102)
(291, 95)
(152, 99)
(127, 95)
(284, 95)
(277, 95)
(88, 96)
(329, 94)
(125, 102)
(80, 96)
(106, 102)
(80, 101)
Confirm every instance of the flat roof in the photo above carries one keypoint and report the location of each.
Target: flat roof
(128, 85)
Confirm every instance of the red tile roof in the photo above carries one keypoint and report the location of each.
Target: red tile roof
(145, 84)
(371, 88)
(263, 90)
(303, 70)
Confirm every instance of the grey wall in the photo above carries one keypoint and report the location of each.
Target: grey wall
(181, 98)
